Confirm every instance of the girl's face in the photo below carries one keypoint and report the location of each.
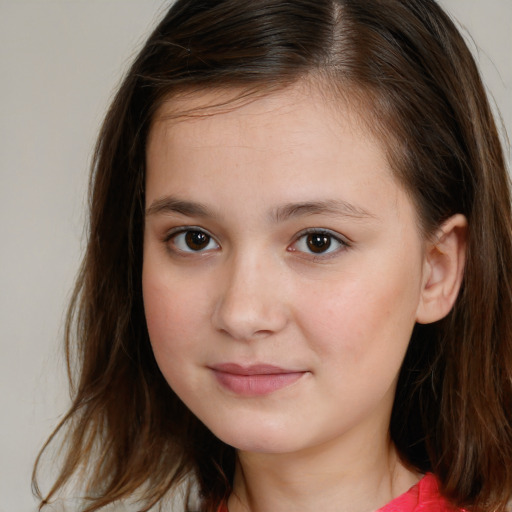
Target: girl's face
(283, 270)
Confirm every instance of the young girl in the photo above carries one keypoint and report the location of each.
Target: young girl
(296, 293)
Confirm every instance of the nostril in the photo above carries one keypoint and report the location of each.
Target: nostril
(262, 333)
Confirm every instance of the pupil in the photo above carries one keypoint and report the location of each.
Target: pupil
(196, 240)
(318, 242)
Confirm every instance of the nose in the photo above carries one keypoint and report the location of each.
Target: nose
(251, 302)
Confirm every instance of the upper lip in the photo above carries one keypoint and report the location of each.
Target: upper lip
(253, 369)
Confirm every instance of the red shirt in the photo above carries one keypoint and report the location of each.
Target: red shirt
(423, 497)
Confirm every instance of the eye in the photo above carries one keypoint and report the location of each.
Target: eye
(318, 242)
(192, 240)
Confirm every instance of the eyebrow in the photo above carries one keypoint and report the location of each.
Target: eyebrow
(328, 207)
(171, 204)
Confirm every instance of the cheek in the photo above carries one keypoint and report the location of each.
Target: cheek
(174, 325)
(172, 314)
(362, 316)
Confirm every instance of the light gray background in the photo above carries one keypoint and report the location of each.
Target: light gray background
(60, 61)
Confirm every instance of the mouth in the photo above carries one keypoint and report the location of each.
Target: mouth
(254, 380)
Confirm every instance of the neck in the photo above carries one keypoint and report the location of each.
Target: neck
(354, 477)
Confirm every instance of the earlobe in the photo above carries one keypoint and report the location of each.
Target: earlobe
(445, 257)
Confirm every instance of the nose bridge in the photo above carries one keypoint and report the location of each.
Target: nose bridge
(251, 301)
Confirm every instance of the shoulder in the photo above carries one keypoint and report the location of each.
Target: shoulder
(422, 497)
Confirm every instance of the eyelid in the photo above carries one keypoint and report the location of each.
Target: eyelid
(325, 231)
(181, 229)
(173, 232)
(341, 239)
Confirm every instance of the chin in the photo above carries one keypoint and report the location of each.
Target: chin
(257, 438)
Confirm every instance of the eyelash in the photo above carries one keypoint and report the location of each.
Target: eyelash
(329, 236)
(184, 231)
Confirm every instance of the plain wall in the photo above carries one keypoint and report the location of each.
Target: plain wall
(60, 62)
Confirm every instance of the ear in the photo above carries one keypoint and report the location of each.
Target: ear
(445, 257)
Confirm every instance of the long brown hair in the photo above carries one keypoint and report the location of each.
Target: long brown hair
(406, 65)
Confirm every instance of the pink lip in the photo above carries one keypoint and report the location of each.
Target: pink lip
(254, 380)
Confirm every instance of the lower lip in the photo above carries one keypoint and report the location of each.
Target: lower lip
(256, 385)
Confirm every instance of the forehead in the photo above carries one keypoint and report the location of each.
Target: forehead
(296, 144)
(220, 113)
(254, 104)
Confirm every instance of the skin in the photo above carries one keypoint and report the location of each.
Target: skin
(340, 319)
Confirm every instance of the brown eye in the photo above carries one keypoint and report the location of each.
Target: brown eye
(318, 242)
(192, 240)
(196, 240)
